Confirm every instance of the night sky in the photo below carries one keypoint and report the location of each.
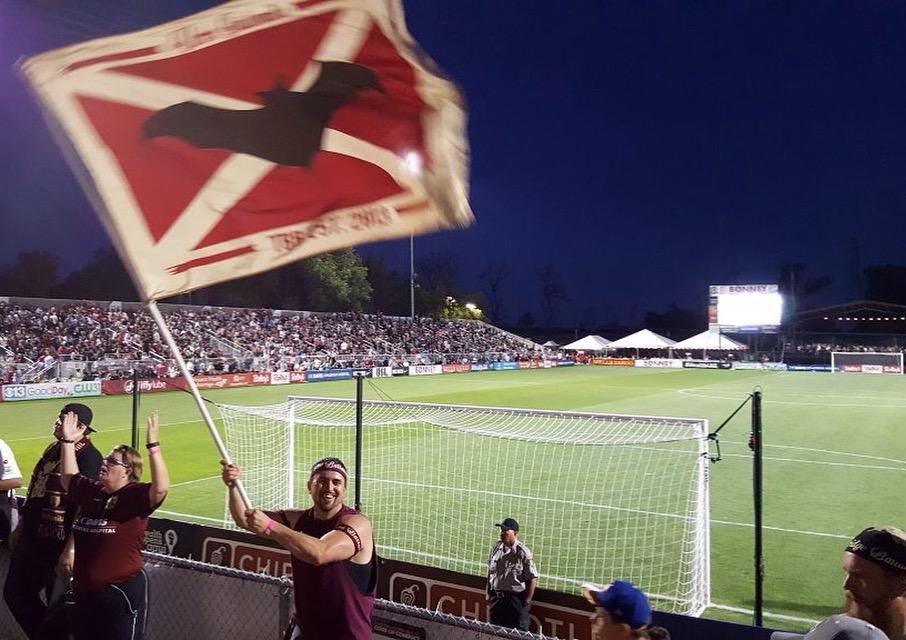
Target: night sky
(645, 149)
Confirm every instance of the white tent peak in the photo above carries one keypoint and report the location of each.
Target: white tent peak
(710, 340)
(643, 339)
(589, 343)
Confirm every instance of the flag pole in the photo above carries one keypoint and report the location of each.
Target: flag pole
(193, 389)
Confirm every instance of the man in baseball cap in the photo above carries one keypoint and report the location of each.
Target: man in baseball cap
(512, 578)
(43, 555)
(875, 585)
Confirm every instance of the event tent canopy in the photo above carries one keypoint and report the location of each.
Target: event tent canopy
(551, 344)
(589, 343)
(710, 340)
(643, 339)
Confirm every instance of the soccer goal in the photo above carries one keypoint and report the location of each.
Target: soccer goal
(598, 497)
(866, 362)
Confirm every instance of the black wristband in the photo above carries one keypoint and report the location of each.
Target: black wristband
(151, 445)
(67, 441)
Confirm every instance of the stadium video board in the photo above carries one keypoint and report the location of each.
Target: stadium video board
(745, 308)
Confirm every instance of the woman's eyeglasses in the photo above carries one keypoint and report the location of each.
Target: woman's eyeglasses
(119, 463)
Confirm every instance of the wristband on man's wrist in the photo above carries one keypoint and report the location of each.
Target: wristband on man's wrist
(268, 527)
(67, 441)
(152, 444)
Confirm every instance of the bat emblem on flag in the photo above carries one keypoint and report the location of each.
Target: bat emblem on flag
(287, 130)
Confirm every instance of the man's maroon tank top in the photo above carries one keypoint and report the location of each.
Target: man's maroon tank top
(329, 605)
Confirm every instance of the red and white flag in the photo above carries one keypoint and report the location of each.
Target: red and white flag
(257, 133)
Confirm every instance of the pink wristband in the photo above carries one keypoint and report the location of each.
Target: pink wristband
(268, 527)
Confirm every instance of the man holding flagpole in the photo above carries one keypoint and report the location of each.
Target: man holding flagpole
(333, 555)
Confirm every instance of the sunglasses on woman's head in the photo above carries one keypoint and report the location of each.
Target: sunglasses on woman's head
(112, 460)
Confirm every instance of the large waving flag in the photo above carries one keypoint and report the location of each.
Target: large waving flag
(257, 133)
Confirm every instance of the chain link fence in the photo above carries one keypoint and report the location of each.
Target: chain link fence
(191, 600)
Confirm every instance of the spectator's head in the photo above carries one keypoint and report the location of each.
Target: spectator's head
(509, 529)
(83, 412)
(327, 483)
(622, 611)
(875, 585)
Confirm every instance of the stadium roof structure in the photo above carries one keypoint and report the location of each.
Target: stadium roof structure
(644, 339)
(588, 343)
(710, 341)
(856, 309)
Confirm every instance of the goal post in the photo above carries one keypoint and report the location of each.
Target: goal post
(597, 496)
(867, 362)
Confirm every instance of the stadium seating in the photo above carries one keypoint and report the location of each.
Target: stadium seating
(39, 333)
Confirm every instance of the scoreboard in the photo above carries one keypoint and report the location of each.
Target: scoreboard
(745, 308)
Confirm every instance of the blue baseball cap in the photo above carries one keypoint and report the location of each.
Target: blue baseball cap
(622, 600)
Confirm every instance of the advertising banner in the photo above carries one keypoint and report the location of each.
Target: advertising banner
(226, 381)
(759, 366)
(809, 367)
(503, 366)
(613, 362)
(48, 390)
(706, 364)
(296, 376)
(325, 375)
(565, 362)
(381, 372)
(425, 370)
(455, 368)
(400, 371)
(478, 367)
(660, 363)
(280, 377)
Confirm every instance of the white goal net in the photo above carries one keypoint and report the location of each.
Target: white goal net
(598, 497)
(866, 362)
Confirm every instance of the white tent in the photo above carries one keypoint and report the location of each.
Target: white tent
(710, 341)
(643, 339)
(550, 344)
(588, 343)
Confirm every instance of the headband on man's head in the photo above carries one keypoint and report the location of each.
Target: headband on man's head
(885, 546)
(329, 464)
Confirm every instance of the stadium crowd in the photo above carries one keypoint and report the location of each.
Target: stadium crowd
(233, 340)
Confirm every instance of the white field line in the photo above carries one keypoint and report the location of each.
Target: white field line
(610, 508)
(182, 484)
(829, 464)
(690, 393)
(836, 536)
(830, 451)
(105, 430)
(533, 498)
(776, 616)
(190, 516)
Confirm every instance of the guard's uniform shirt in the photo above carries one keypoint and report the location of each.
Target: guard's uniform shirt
(510, 567)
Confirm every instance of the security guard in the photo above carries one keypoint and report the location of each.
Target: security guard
(512, 577)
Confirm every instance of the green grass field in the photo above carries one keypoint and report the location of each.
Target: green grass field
(834, 458)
